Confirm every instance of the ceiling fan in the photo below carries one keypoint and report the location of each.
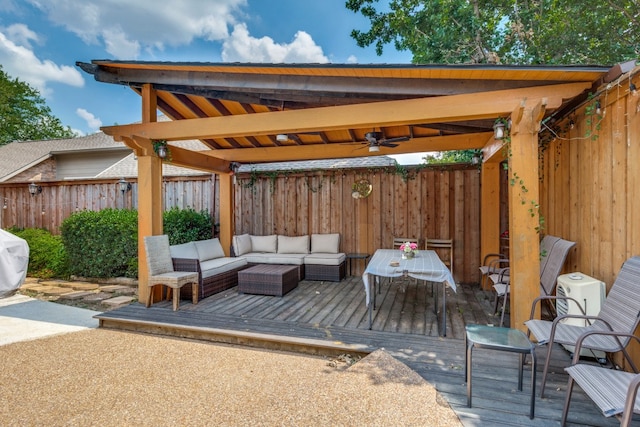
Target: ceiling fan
(377, 140)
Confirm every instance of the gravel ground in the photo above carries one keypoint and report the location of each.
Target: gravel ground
(100, 377)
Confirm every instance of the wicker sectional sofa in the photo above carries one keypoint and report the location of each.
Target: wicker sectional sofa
(216, 272)
(317, 256)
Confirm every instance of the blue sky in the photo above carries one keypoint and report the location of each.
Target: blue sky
(40, 42)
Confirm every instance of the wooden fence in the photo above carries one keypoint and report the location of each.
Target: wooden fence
(60, 199)
(434, 202)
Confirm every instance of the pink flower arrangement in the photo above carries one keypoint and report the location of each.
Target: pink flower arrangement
(409, 247)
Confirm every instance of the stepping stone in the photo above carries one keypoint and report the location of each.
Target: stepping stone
(40, 289)
(53, 282)
(117, 289)
(79, 286)
(75, 295)
(118, 301)
(30, 286)
(54, 290)
(97, 297)
(31, 280)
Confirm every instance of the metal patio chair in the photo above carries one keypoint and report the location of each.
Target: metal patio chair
(620, 312)
(615, 392)
(553, 254)
(161, 270)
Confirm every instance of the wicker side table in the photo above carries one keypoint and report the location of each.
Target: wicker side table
(268, 279)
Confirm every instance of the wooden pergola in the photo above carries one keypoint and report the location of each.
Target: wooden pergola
(253, 113)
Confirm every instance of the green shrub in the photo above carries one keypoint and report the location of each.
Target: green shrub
(102, 244)
(47, 255)
(186, 225)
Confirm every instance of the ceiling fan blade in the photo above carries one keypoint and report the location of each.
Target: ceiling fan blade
(388, 144)
(397, 139)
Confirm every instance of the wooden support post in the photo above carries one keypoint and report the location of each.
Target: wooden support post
(227, 226)
(524, 244)
(150, 201)
(150, 209)
(490, 209)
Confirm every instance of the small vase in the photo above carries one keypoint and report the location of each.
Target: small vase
(407, 255)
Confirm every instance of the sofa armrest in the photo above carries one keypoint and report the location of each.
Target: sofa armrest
(187, 264)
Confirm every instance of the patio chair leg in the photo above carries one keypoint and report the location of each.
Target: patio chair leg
(567, 401)
(504, 307)
(176, 298)
(546, 368)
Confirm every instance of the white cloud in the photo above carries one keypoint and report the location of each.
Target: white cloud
(242, 47)
(19, 61)
(92, 121)
(148, 25)
(20, 34)
(352, 59)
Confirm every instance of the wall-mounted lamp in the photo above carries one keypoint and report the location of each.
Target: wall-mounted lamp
(161, 149)
(633, 89)
(124, 186)
(34, 189)
(598, 107)
(477, 158)
(498, 129)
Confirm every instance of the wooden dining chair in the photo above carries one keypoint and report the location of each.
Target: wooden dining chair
(444, 249)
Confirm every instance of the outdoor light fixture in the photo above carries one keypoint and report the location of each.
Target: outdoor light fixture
(633, 89)
(162, 151)
(282, 137)
(124, 186)
(498, 129)
(34, 189)
(477, 158)
(598, 107)
(374, 148)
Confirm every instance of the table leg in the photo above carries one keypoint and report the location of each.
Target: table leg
(467, 375)
(371, 299)
(533, 382)
(444, 310)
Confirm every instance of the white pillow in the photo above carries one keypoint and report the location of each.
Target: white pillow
(325, 243)
(185, 250)
(266, 244)
(293, 245)
(241, 244)
(209, 249)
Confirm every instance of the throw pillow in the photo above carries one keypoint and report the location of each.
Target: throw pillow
(242, 244)
(325, 243)
(266, 244)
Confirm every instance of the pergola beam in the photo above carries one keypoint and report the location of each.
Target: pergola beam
(324, 151)
(452, 108)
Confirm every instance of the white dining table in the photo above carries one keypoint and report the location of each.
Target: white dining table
(426, 265)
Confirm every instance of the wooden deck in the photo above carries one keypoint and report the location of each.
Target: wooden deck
(331, 318)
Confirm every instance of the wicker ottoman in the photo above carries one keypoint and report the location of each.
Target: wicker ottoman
(268, 279)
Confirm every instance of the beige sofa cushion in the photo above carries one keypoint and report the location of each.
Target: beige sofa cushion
(325, 259)
(209, 249)
(293, 245)
(267, 244)
(241, 244)
(325, 243)
(185, 250)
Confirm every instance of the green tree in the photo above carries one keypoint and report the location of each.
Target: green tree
(24, 114)
(504, 31)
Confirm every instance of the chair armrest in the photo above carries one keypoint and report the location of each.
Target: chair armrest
(576, 355)
(187, 264)
(553, 297)
(491, 255)
(630, 402)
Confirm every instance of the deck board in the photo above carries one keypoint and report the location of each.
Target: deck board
(331, 318)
